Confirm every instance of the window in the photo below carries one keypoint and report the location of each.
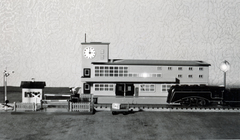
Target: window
(190, 68)
(165, 88)
(147, 88)
(159, 68)
(169, 68)
(107, 71)
(129, 88)
(97, 87)
(28, 94)
(200, 76)
(32, 94)
(120, 88)
(86, 87)
(179, 75)
(103, 87)
(200, 69)
(87, 72)
(190, 76)
(179, 68)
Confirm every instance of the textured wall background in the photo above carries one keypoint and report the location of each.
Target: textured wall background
(41, 38)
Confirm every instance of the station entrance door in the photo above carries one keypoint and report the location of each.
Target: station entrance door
(123, 89)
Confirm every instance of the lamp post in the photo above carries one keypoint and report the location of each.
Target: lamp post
(5, 75)
(225, 66)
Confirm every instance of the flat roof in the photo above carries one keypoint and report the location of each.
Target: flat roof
(154, 62)
(95, 43)
(35, 84)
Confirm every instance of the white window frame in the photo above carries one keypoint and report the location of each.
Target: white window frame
(166, 87)
(147, 87)
(104, 87)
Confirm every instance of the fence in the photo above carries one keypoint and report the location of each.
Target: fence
(85, 104)
(80, 107)
(26, 106)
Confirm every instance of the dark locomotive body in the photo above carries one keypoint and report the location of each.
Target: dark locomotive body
(203, 95)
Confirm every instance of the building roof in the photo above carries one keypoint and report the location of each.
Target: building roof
(154, 62)
(30, 84)
(95, 43)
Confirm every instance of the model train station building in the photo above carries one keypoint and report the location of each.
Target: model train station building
(122, 77)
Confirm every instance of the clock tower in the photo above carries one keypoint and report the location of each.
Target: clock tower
(93, 52)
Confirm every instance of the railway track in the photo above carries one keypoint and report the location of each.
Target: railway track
(171, 108)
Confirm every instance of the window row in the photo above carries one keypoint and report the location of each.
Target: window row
(104, 87)
(189, 76)
(111, 71)
(180, 68)
(147, 88)
(127, 74)
(110, 68)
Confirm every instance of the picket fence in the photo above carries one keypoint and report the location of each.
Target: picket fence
(86, 105)
(80, 107)
(26, 106)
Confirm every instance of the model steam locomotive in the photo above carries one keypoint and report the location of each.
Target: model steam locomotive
(203, 95)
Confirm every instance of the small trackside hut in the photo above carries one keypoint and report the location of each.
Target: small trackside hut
(32, 91)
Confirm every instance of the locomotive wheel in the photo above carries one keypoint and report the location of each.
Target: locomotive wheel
(125, 113)
(201, 102)
(186, 102)
(193, 101)
(114, 113)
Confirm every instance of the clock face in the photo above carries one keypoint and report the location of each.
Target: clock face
(89, 52)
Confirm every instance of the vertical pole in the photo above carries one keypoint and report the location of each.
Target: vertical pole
(5, 87)
(14, 106)
(41, 104)
(70, 106)
(92, 104)
(35, 102)
(125, 89)
(225, 75)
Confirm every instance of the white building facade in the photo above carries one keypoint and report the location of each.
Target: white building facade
(122, 77)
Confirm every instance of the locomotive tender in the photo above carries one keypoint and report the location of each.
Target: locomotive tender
(134, 81)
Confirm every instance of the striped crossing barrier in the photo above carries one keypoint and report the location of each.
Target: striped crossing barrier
(56, 97)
